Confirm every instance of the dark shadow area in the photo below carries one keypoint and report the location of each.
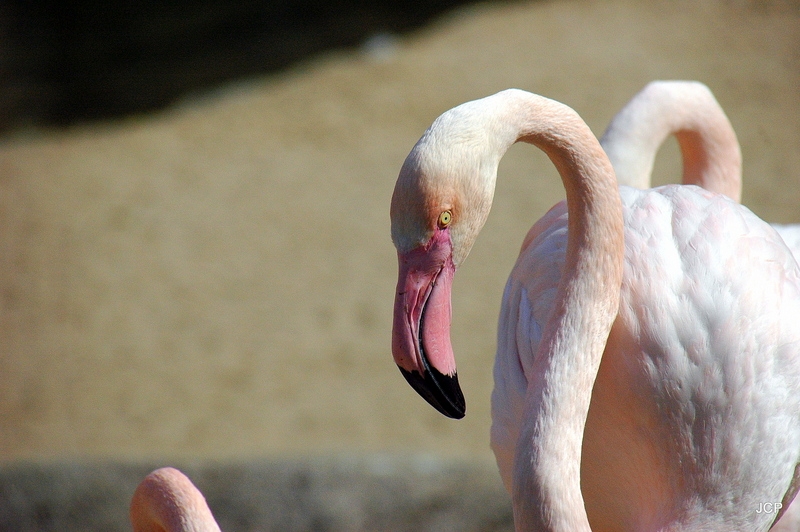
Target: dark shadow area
(66, 62)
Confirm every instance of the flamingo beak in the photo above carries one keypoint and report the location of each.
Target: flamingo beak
(421, 331)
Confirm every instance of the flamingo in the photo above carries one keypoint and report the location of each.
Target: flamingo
(790, 233)
(710, 150)
(167, 501)
(647, 375)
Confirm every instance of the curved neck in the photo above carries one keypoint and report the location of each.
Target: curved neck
(547, 494)
(688, 110)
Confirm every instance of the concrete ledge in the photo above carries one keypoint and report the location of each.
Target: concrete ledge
(331, 494)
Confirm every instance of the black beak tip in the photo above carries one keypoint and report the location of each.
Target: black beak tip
(441, 391)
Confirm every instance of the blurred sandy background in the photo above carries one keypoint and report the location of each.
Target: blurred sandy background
(214, 281)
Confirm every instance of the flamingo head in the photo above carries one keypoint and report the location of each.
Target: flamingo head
(167, 501)
(440, 202)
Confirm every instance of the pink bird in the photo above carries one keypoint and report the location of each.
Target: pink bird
(167, 501)
(647, 375)
(710, 150)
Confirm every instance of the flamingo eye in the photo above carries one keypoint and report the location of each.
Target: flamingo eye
(445, 218)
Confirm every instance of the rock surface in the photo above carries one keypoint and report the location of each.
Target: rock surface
(344, 494)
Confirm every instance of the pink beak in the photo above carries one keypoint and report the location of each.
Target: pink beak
(421, 332)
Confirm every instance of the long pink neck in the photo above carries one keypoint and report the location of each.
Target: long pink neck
(547, 493)
(688, 110)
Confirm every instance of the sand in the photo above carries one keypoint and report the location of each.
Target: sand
(215, 281)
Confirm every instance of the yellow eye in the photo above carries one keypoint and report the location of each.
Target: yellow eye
(445, 218)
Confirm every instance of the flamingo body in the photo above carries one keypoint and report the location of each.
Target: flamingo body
(710, 150)
(790, 233)
(648, 366)
(679, 411)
